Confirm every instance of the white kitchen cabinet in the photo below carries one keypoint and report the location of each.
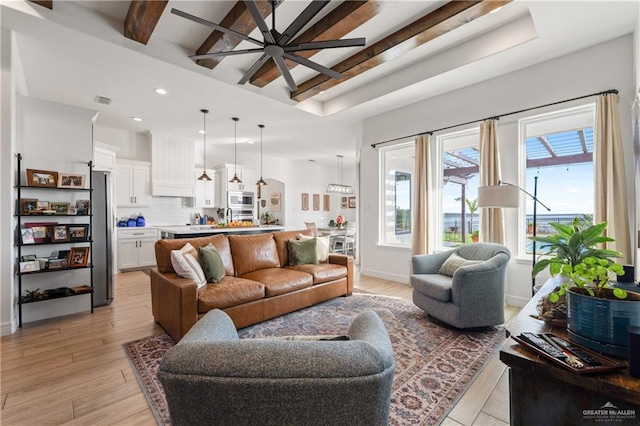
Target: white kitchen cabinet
(205, 191)
(104, 156)
(246, 174)
(136, 247)
(133, 180)
(172, 163)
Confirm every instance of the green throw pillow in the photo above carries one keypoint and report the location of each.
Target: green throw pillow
(454, 262)
(302, 252)
(211, 263)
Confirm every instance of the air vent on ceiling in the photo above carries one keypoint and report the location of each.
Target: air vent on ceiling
(102, 100)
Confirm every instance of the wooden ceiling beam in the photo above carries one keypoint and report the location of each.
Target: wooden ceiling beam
(345, 18)
(238, 19)
(442, 20)
(142, 18)
(44, 3)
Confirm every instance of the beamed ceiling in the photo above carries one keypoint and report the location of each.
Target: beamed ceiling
(414, 50)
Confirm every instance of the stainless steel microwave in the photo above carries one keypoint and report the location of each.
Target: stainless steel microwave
(240, 199)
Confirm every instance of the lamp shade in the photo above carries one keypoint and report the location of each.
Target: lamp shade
(498, 196)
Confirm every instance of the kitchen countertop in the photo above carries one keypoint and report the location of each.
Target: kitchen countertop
(213, 229)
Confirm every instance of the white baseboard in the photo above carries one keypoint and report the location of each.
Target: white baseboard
(402, 279)
(517, 301)
(8, 328)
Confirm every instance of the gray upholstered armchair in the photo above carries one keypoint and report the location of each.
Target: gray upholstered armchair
(463, 287)
(213, 377)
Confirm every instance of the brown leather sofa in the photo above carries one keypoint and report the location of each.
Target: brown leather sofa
(258, 284)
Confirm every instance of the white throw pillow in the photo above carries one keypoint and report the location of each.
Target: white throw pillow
(185, 263)
(322, 246)
(453, 262)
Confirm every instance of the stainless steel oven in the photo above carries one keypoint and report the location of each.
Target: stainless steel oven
(242, 215)
(240, 200)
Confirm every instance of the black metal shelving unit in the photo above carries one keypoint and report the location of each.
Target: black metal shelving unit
(19, 245)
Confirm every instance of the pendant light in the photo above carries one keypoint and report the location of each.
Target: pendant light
(261, 182)
(204, 176)
(339, 187)
(235, 147)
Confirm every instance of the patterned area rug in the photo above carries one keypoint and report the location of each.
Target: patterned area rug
(434, 365)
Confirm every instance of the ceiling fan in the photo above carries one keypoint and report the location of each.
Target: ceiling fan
(277, 45)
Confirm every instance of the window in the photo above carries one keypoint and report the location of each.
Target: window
(558, 151)
(397, 164)
(459, 179)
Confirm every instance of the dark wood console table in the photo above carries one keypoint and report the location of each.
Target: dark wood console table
(542, 393)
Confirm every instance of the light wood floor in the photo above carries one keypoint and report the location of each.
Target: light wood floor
(73, 371)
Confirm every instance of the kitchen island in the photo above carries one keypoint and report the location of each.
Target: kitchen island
(194, 231)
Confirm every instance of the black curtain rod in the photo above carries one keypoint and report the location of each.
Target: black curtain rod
(496, 117)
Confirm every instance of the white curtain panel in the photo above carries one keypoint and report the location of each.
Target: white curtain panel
(611, 188)
(491, 219)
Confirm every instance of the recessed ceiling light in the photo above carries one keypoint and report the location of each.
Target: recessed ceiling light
(160, 91)
(202, 132)
(136, 118)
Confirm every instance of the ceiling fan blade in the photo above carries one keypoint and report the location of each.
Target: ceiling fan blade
(326, 44)
(285, 72)
(313, 65)
(255, 67)
(216, 26)
(227, 53)
(252, 7)
(303, 19)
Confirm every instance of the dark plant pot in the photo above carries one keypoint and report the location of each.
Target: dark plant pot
(601, 324)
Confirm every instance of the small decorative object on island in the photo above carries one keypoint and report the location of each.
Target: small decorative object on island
(267, 218)
(599, 312)
(340, 222)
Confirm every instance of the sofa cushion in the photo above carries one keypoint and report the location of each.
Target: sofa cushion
(185, 263)
(231, 291)
(302, 252)
(211, 263)
(453, 262)
(280, 280)
(322, 246)
(163, 250)
(436, 286)
(281, 243)
(253, 252)
(323, 272)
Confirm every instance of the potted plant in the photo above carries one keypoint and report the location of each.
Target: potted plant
(475, 236)
(267, 218)
(530, 228)
(598, 313)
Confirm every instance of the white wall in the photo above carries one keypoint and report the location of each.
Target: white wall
(605, 66)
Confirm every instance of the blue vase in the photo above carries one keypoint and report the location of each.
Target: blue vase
(140, 220)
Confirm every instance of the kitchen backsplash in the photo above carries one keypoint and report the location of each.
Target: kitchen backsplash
(162, 211)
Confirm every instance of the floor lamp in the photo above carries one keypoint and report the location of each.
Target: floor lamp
(505, 195)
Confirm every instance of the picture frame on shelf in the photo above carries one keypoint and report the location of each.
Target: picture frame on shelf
(78, 232)
(42, 178)
(30, 266)
(60, 234)
(83, 207)
(73, 211)
(78, 257)
(305, 201)
(28, 205)
(59, 207)
(58, 263)
(71, 180)
(63, 254)
(42, 205)
(316, 202)
(27, 236)
(352, 202)
(41, 230)
(28, 257)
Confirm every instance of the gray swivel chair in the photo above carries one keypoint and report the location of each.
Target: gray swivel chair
(463, 287)
(345, 243)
